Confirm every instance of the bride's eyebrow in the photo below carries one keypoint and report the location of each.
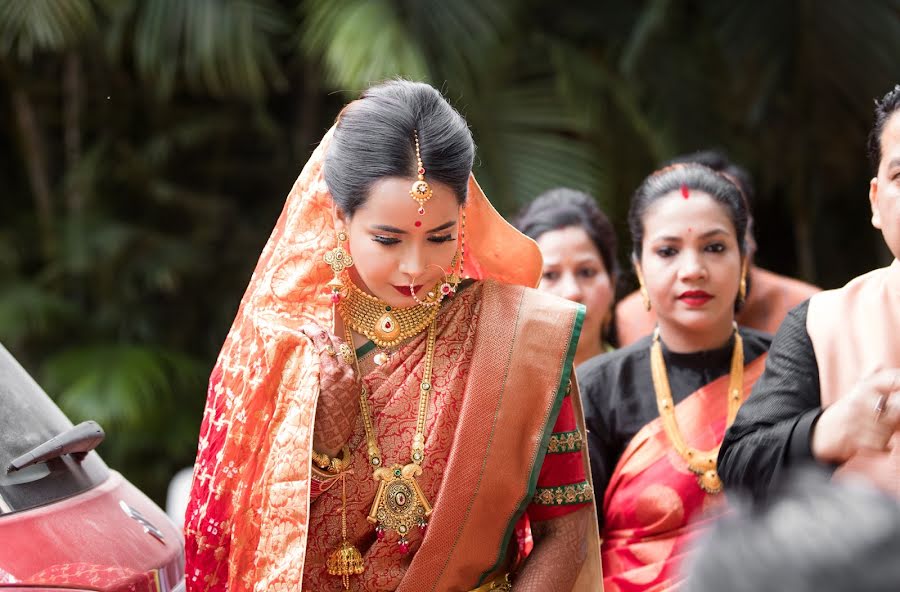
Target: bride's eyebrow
(395, 230)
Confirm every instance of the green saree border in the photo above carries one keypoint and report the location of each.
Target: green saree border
(565, 376)
(364, 349)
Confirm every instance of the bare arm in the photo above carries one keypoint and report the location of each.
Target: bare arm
(560, 548)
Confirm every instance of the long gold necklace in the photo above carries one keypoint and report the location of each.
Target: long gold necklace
(400, 504)
(700, 462)
(384, 325)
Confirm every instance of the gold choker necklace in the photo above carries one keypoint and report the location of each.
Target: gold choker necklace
(700, 462)
(384, 325)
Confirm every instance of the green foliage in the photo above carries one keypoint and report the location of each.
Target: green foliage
(221, 47)
(148, 145)
(43, 25)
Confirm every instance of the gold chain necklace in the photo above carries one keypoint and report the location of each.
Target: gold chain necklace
(400, 504)
(700, 462)
(384, 325)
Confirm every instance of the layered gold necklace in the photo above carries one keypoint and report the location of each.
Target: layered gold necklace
(700, 462)
(400, 505)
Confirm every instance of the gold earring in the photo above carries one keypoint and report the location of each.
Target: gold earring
(645, 296)
(338, 259)
(742, 288)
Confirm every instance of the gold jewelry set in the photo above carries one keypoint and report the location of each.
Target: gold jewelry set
(400, 505)
(700, 462)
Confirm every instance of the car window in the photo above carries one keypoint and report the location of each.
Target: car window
(28, 418)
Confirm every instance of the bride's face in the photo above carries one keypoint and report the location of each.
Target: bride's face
(393, 246)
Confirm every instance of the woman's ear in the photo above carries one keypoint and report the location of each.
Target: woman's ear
(341, 220)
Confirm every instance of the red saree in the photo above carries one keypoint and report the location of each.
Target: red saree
(653, 505)
(487, 433)
(502, 364)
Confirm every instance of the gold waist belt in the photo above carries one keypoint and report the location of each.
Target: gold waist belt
(499, 584)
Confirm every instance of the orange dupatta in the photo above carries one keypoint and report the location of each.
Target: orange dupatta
(653, 501)
(247, 521)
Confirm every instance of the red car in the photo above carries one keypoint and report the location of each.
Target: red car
(67, 522)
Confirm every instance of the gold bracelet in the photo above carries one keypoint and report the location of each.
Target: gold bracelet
(333, 465)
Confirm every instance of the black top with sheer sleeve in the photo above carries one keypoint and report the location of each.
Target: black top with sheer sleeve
(773, 427)
(618, 396)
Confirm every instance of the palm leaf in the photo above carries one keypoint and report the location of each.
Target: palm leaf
(220, 47)
(361, 42)
(528, 143)
(28, 310)
(43, 25)
(121, 386)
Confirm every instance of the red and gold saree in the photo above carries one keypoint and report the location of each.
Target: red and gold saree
(503, 363)
(653, 505)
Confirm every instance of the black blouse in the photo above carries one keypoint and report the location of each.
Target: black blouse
(618, 396)
(772, 430)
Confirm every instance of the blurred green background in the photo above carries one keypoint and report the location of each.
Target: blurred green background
(147, 146)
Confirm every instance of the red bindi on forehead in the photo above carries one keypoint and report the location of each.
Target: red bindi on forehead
(685, 192)
(418, 223)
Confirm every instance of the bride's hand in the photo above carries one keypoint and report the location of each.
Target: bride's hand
(339, 388)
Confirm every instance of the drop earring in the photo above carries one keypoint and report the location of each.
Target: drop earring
(338, 259)
(645, 296)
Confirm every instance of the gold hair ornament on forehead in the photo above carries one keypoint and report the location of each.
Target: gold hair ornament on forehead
(420, 190)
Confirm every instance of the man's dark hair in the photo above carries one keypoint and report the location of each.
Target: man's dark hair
(887, 106)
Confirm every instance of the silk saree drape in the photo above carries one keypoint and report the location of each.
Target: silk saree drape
(653, 505)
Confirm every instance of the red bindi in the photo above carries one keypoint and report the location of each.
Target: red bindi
(418, 223)
(685, 192)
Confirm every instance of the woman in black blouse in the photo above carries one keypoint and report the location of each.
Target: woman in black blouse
(656, 411)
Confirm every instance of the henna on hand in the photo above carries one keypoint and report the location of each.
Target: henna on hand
(338, 407)
(560, 548)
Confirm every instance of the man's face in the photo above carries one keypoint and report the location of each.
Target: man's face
(884, 189)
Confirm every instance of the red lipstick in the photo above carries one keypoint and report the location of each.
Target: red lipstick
(406, 291)
(695, 298)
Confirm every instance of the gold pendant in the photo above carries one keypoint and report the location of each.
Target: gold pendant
(710, 482)
(387, 328)
(400, 505)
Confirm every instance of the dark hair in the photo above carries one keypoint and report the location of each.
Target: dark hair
(819, 536)
(718, 161)
(696, 177)
(561, 208)
(374, 139)
(887, 106)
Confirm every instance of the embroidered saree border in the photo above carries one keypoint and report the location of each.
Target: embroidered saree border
(563, 387)
(563, 442)
(502, 433)
(364, 349)
(564, 495)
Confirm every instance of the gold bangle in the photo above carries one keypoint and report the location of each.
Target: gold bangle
(333, 465)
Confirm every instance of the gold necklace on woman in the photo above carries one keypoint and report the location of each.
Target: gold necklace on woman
(400, 504)
(384, 325)
(700, 462)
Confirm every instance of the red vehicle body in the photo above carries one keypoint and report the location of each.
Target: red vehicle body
(68, 522)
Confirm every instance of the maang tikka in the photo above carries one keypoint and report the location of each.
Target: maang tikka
(420, 191)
